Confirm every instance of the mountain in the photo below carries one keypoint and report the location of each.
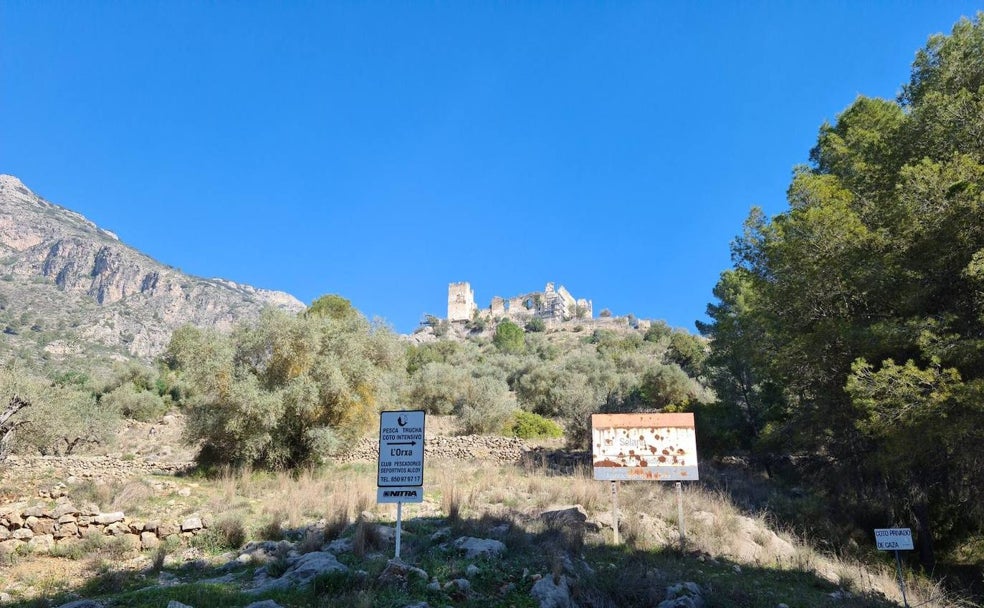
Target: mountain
(70, 289)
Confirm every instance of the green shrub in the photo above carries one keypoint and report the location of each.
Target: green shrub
(536, 324)
(509, 338)
(486, 407)
(528, 425)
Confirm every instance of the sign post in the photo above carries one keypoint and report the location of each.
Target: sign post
(655, 447)
(895, 539)
(400, 473)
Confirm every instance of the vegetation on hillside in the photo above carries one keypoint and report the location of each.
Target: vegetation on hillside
(844, 352)
(848, 338)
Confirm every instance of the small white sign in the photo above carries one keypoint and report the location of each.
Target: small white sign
(893, 539)
(400, 475)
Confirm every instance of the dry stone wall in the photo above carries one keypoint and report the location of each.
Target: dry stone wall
(43, 525)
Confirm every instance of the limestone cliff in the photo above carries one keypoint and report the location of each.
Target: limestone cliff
(68, 286)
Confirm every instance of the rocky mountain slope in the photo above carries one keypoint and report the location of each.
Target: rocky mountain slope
(71, 289)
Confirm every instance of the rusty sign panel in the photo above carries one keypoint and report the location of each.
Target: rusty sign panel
(658, 447)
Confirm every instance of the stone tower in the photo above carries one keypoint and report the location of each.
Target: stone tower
(461, 302)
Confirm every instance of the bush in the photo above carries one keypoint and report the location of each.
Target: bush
(486, 407)
(509, 338)
(536, 324)
(142, 405)
(437, 388)
(282, 392)
(528, 425)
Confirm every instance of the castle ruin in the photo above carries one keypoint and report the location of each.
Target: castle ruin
(550, 305)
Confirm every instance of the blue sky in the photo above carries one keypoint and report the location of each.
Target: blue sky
(382, 150)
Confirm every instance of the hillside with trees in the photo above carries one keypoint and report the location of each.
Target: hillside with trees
(848, 338)
(840, 375)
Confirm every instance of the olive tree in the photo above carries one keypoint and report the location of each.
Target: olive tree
(42, 416)
(284, 391)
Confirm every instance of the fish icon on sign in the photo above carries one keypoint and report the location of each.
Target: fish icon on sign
(402, 420)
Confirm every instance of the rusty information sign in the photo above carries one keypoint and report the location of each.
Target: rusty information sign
(639, 447)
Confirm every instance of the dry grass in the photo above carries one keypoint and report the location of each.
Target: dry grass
(320, 505)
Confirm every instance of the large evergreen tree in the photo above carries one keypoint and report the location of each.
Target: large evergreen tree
(850, 334)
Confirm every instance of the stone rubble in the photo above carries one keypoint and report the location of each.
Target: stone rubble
(42, 527)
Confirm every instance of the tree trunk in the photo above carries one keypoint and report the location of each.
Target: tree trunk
(7, 428)
(927, 556)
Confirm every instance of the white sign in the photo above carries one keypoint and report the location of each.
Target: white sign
(893, 539)
(400, 476)
(656, 447)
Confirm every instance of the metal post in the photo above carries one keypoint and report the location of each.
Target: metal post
(680, 521)
(615, 511)
(399, 527)
(898, 562)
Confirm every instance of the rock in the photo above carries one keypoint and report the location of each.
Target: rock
(63, 510)
(472, 570)
(552, 594)
(4, 533)
(83, 604)
(22, 534)
(264, 604)
(149, 540)
(191, 524)
(417, 605)
(35, 511)
(683, 595)
(104, 519)
(461, 584)
(340, 545)
(118, 529)
(397, 571)
(479, 547)
(303, 570)
(574, 515)
(177, 604)
(165, 530)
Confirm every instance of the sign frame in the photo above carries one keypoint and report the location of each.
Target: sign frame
(644, 447)
(400, 465)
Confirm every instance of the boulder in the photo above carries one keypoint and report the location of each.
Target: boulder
(479, 547)
(574, 515)
(683, 595)
(22, 534)
(104, 519)
(552, 592)
(63, 510)
(149, 540)
(191, 524)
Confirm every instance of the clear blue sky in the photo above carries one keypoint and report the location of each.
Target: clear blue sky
(382, 150)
